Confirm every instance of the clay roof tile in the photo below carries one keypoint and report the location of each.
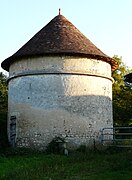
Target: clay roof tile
(59, 36)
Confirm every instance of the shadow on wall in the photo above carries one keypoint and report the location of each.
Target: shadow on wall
(79, 118)
(49, 105)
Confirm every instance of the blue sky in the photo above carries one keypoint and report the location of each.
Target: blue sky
(107, 23)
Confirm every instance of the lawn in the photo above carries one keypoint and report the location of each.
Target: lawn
(78, 165)
(23, 164)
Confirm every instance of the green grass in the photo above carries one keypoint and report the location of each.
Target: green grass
(22, 164)
(78, 165)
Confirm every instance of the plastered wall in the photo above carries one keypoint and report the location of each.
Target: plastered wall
(69, 97)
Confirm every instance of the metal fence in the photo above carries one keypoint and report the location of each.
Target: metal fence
(117, 136)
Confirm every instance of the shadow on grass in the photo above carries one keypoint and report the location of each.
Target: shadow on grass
(84, 164)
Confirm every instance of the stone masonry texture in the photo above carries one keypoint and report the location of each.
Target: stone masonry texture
(63, 96)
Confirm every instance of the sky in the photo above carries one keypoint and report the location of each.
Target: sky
(107, 23)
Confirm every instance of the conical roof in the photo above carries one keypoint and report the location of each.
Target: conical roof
(59, 37)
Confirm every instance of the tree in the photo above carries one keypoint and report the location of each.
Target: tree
(122, 96)
(3, 92)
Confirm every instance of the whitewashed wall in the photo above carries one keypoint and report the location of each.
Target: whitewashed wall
(60, 96)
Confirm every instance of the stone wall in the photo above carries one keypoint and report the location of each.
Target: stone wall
(69, 97)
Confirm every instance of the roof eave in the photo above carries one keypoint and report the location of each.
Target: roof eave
(7, 62)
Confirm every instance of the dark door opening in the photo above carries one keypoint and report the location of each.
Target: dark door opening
(13, 131)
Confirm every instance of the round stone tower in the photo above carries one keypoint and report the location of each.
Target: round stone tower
(60, 85)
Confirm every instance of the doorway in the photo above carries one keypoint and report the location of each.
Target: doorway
(13, 131)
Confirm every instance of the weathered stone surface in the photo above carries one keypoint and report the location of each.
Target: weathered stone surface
(62, 64)
(64, 96)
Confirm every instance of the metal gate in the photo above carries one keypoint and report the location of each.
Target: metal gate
(117, 136)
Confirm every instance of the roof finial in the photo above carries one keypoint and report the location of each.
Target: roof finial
(59, 11)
